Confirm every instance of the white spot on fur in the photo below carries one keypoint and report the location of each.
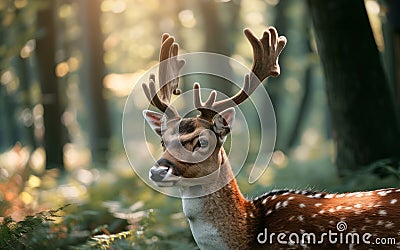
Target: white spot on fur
(291, 218)
(273, 197)
(318, 204)
(314, 215)
(321, 212)
(300, 217)
(358, 205)
(340, 195)
(285, 204)
(389, 225)
(360, 195)
(339, 207)
(348, 208)
(268, 212)
(302, 205)
(379, 223)
(264, 201)
(328, 196)
(290, 198)
(382, 193)
(317, 195)
(393, 201)
(331, 210)
(382, 212)
(278, 205)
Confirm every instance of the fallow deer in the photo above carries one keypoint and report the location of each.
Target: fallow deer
(220, 217)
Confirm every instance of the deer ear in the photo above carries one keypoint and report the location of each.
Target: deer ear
(223, 122)
(154, 120)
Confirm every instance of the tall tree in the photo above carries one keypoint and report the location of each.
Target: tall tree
(45, 51)
(25, 110)
(362, 108)
(92, 74)
(391, 30)
(296, 26)
(219, 38)
(7, 122)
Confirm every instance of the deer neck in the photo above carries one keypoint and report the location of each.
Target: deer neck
(221, 215)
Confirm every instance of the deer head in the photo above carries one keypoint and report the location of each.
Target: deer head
(192, 147)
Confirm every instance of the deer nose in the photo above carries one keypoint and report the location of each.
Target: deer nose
(158, 173)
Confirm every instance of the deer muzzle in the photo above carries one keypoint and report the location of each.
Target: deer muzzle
(162, 174)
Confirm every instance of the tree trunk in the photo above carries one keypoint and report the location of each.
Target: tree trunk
(45, 51)
(7, 124)
(392, 45)
(92, 72)
(219, 37)
(303, 108)
(7, 121)
(25, 116)
(275, 85)
(362, 108)
(292, 25)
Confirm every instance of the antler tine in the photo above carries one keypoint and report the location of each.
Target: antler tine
(151, 94)
(169, 68)
(266, 52)
(206, 109)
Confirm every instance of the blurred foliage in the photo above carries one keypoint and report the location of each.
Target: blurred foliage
(20, 234)
(97, 218)
(17, 26)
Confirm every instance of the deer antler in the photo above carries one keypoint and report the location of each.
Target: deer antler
(168, 72)
(266, 52)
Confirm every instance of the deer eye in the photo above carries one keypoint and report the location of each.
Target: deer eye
(202, 143)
